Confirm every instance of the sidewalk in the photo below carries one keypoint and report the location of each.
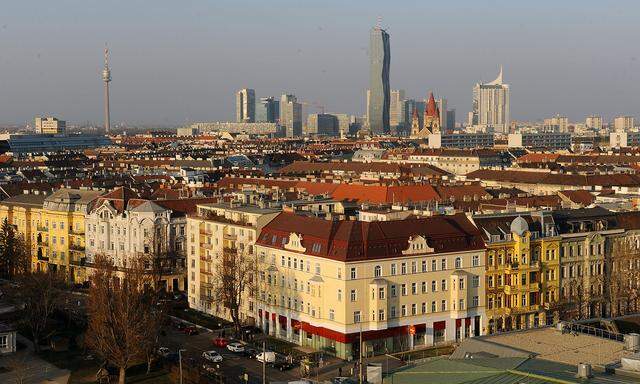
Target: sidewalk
(26, 366)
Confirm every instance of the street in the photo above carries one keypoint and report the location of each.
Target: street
(233, 367)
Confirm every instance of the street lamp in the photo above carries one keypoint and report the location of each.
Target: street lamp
(180, 361)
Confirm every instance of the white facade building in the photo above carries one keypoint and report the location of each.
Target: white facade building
(491, 105)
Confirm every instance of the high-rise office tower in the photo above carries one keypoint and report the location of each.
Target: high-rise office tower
(407, 107)
(379, 66)
(291, 115)
(106, 78)
(491, 105)
(594, 122)
(451, 119)
(322, 124)
(442, 108)
(267, 110)
(396, 119)
(246, 106)
(623, 123)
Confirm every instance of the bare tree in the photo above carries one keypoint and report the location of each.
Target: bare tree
(122, 313)
(622, 288)
(40, 294)
(233, 279)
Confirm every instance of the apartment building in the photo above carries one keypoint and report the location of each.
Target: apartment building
(211, 231)
(400, 284)
(522, 269)
(53, 228)
(587, 239)
(124, 227)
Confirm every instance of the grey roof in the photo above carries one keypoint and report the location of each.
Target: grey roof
(148, 206)
(25, 200)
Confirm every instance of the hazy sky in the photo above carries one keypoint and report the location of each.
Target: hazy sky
(178, 61)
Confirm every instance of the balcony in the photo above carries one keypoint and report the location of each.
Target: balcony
(79, 263)
(230, 236)
(76, 248)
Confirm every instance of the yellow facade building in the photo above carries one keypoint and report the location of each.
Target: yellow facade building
(53, 227)
(522, 269)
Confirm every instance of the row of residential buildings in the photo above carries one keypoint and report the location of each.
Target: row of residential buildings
(416, 281)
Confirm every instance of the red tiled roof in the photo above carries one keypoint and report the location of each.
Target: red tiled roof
(358, 240)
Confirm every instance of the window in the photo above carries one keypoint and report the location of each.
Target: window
(403, 289)
(424, 307)
(524, 300)
(353, 273)
(339, 294)
(332, 314)
(381, 315)
(414, 289)
(339, 273)
(356, 316)
(354, 295)
(377, 271)
(443, 264)
(475, 281)
(317, 268)
(434, 287)
(475, 261)
(414, 309)
(393, 291)
(443, 284)
(282, 262)
(4, 341)
(403, 310)
(461, 283)
(424, 265)
(403, 268)
(433, 306)
(393, 269)
(443, 305)
(424, 287)
(458, 262)
(461, 305)
(381, 293)
(433, 265)
(414, 267)
(393, 312)
(475, 301)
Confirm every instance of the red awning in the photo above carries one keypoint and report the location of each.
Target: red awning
(440, 325)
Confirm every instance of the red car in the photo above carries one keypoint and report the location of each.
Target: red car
(220, 342)
(191, 331)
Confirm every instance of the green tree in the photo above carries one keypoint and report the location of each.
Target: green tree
(14, 253)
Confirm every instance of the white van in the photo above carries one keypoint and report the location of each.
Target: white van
(267, 357)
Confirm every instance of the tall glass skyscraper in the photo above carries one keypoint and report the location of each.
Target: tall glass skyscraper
(379, 90)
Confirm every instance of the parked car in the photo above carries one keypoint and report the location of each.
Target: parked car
(164, 351)
(343, 380)
(235, 347)
(220, 342)
(267, 357)
(212, 356)
(283, 365)
(250, 352)
(191, 330)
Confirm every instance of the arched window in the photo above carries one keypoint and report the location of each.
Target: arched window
(377, 271)
(458, 262)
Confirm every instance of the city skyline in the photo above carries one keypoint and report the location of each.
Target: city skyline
(589, 75)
